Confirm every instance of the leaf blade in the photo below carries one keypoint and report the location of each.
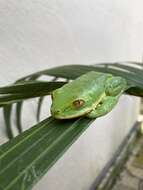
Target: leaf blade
(30, 87)
(40, 101)
(18, 116)
(7, 118)
(16, 96)
(62, 134)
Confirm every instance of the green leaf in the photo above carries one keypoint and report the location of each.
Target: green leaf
(133, 78)
(133, 63)
(22, 91)
(74, 71)
(30, 87)
(133, 71)
(26, 158)
(135, 91)
(67, 71)
(7, 118)
(18, 116)
(40, 101)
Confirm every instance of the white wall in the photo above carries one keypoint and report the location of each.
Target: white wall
(41, 34)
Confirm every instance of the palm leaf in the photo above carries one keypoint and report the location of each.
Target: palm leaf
(133, 63)
(18, 92)
(18, 116)
(74, 71)
(30, 87)
(40, 101)
(125, 69)
(26, 158)
(134, 79)
(7, 118)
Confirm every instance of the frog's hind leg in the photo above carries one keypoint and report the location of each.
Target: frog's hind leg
(115, 86)
(104, 107)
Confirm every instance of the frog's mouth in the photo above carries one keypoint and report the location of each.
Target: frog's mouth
(70, 117)
(71, 114)
(61, 115)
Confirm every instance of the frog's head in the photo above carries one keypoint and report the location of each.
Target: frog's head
(66, 105)
(79, 97)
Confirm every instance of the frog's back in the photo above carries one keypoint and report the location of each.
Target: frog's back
(86, 83)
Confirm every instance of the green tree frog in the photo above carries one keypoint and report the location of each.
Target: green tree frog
(93, 94)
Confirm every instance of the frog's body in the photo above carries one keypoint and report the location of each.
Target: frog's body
(93, 94)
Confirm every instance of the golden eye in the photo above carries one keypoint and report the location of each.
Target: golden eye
(78, 103)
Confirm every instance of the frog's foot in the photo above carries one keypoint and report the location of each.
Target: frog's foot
(104, 107)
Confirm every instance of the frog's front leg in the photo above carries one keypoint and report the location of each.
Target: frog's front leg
(104, 107)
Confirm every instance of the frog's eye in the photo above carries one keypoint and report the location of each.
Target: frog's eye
(78, 103)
